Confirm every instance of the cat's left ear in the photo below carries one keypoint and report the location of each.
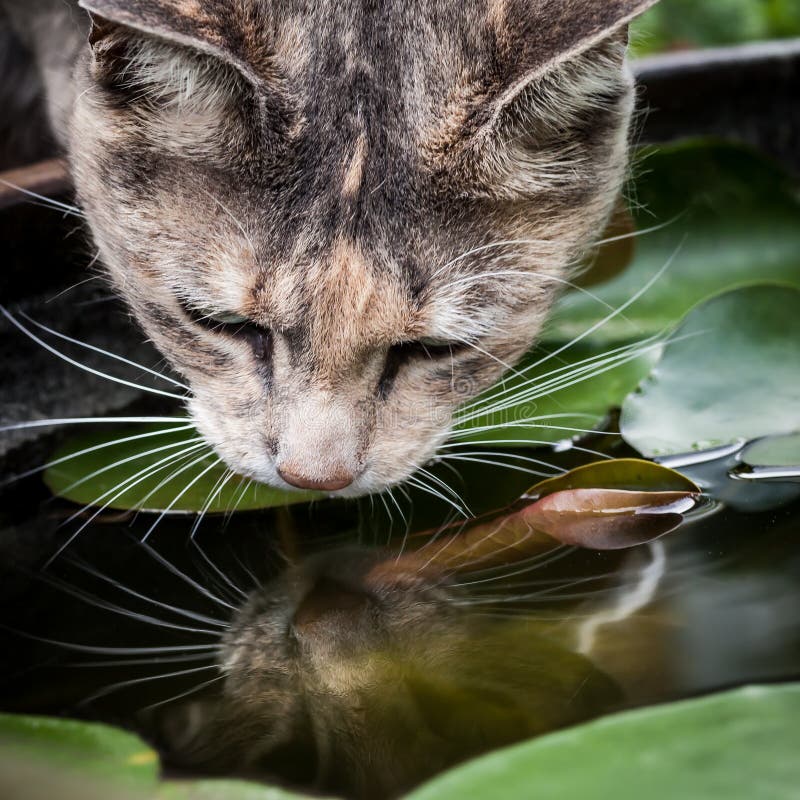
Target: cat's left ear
(545, 33)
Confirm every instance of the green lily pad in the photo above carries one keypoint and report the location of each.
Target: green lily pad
(731, 374)
(155, 468)
(774, 451)
(554, 397)
(738, 745)
(98, 752)
(78, 759)
(728, 216)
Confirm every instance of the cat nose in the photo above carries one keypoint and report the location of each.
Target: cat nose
(340, 479)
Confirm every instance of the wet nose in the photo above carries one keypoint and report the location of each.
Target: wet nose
(338, 479)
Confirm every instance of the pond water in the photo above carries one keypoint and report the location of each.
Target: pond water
(348, 674)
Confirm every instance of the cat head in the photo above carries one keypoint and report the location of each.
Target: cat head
(341, 221)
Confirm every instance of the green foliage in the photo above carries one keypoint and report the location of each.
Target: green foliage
(739, 745)
(43, 757)
(730, 374)
(676, 24)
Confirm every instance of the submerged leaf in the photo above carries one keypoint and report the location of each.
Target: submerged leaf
(729, 375)
(155, 468)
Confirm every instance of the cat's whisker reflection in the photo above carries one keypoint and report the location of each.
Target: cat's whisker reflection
(184, 612)
(146, 679)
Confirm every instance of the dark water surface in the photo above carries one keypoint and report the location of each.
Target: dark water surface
(398, 686)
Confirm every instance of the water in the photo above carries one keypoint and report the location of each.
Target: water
(513, 652)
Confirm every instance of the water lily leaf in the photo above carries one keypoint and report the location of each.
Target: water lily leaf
(98, 752)
(728, 217)
(603, 517)
(81, 760)
(773, 451)
(552, 398)
(712, 748)
(633, 474)
(730, 374)
(155, 468)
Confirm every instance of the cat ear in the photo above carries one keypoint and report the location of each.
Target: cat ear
(206, 27)
(545, 33)
(535, 37)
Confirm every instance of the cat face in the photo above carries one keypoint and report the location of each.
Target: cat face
(340, 224)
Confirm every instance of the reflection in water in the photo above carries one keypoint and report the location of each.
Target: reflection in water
(373, 677)
(353, 671)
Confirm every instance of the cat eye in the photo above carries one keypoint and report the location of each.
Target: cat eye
(233, 324)
(224, 317)
(429, 347)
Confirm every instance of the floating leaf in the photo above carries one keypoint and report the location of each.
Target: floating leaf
(98, 752)
(774, 451)
(605, 517)
(558, 398)
(632, 474)
(90, 760)
(143, 468)
(728, 217)
(730, 374)
(738, 745)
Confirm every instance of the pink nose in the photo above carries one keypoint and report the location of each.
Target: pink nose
(339, 480)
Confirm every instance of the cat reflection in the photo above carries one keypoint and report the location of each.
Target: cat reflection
(369, 675)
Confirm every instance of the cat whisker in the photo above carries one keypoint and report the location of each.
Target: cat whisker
(106, 353)
(184, 612)
(48, 202)
(112, 651)
(445, 487)
(31, 335)
(180, 494)
(535, 562)
(127, 484)
(182, 694)
(190, 445)
(146, 679)
(114, 608)
(488, 403)
(76, 285)
(94, 448)
(215, 491)
(237, 590)
(135, 662)
(418, 483)
(58, 421)
(474, 458)
(170, 567)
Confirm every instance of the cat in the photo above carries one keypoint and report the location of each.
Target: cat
(338, 221)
